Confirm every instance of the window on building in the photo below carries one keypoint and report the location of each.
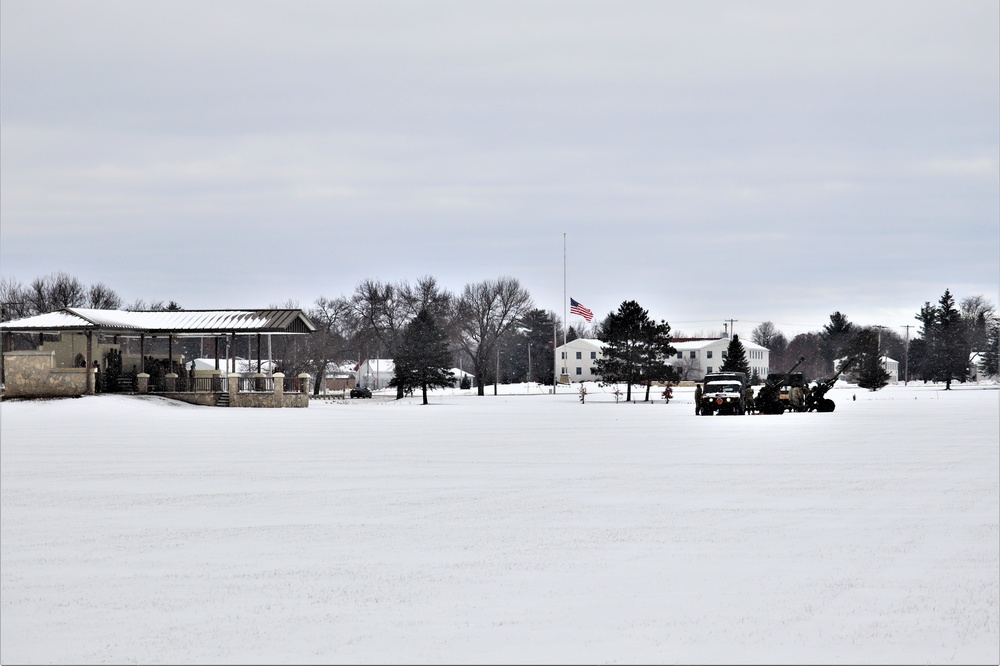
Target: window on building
(562, 371)
(593, 355)
(708, 354)
(724, 353)
(708, 370)
(680, 354)
(694, 354)
(563, 355)
(593, 371)
(579, 355)
(579, 370)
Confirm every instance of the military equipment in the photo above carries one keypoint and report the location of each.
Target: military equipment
(768, 399)
(786, 389)
(723, 396)
(816, 399)
(724, 393)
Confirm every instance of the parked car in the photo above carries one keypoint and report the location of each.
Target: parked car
(360, 392)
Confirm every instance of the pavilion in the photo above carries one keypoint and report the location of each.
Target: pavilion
(75, 346)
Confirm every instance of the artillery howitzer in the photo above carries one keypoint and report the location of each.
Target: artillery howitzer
(816, 399)
(769, 397)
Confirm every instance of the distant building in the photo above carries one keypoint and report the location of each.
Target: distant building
(576, 361)
(375, 373)
(891, 366)
(696, 357)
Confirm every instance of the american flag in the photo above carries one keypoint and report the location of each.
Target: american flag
(578, 309)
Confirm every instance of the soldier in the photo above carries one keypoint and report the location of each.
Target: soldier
(796, 398)
(697, 399)
(750, 405)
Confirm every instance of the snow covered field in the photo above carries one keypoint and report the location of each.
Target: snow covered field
(521, 528)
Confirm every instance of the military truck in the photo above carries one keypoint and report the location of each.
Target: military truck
(724, 393)
(768, 399)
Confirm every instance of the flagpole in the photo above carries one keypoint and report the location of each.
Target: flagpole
(565, 307)
(565, 298)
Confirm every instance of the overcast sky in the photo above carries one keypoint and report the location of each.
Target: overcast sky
(711, 160)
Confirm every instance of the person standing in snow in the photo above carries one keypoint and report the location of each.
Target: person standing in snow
(697, 399)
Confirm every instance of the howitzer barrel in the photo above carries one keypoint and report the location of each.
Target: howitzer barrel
(784, 378)
(832, 379)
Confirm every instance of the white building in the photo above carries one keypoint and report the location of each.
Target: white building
(576, 361)
(696, 357)
(892, 367)
(889, 364)
(376, 373)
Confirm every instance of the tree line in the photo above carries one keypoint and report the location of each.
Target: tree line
(940, 351)
(493, 330)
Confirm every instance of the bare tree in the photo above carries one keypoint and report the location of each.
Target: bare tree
(688, 366)
(380, 313)
(327, 343)
(13, 299)
(55, 292)
(767, 335)
(139, 305)
(487, 310)
(427, 294)
(979, 315)
(102, 297)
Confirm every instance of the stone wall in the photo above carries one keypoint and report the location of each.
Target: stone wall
(32, 374)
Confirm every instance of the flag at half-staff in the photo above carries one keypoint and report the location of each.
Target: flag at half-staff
(579, 309)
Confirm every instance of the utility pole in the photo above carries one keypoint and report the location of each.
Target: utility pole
(731, 330)
(906, 361)
(880, 327)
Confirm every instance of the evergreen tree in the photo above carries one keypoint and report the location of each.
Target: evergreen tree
(872, 374)
(422, 358)
(636, 348)
(835, 335)
(991, 355)
(736, 358)
(655, 352)
(944, 354)
(950, 356)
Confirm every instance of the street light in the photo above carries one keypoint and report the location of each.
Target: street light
(529, 365)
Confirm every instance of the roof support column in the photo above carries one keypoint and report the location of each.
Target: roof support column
(90, 363)
(258, 353)
(142, 352)
(233, 347)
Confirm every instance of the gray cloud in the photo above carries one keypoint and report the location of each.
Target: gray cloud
(842, 156)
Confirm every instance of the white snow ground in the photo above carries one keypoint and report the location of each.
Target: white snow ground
(522, 528)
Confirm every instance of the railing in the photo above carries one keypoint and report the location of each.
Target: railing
(109, 383)
(183, 383)
(202, 384)
(256, 384)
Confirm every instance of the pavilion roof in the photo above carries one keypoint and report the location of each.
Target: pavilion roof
(165, 322)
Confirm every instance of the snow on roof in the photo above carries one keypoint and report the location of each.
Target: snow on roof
(380, 365)
(596, 345)
(688, 344)
(167, 321)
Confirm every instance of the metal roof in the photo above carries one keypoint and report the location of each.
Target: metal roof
(173, 322)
